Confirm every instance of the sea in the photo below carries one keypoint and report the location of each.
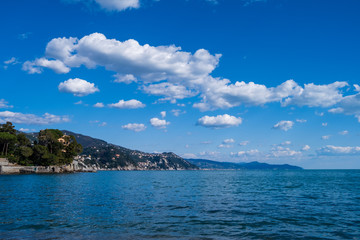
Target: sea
(242, 204)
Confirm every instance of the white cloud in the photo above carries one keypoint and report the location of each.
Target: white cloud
(4, 104)
(220, 93)
(349, 105)
(305, 148)
(118, 5)
(244, 143)
(344, 132)
(219, 121)
(225, 146)
(159, 123)
(103, 124)
(11, 61)
(285, 143)
(320, 114)
(171, 92)
(37, 66)
(151, 64)
(22, 118)
(188, 155)
(284, 125)
(136, 127)
(174, 74)
(163, 114)
(357, 87)
(124, 78)
(301, 120)
(78, 87)
(280, 151)
(130, 104)
(337, 150)
(324, 124)
(99, 105)
(26, 130)
(317, 95)
(177, 112)
(228, 140)
(326, 137)
(248, 153)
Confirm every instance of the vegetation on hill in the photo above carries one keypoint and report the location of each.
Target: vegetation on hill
(51, 147)
(103, 155)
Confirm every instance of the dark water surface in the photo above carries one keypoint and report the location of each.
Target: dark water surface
(182, 205)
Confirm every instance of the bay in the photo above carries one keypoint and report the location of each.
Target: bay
(311, 204)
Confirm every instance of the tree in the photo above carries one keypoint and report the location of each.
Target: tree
(7, 141)
(50, 139)
(72, 149)
(8, 127)
(22, 140)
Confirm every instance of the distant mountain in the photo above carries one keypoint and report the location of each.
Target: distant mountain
(209, 164)
(99, 154)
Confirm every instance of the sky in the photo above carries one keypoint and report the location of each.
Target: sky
(273, 81)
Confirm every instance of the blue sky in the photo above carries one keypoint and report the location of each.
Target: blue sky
(274, 81)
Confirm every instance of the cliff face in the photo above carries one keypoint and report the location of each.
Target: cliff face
(100, 155)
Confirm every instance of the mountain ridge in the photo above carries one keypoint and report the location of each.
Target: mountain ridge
(255, 165)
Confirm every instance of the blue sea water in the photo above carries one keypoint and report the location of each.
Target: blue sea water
(309, 204)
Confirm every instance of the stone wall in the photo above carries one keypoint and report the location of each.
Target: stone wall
(4, 162)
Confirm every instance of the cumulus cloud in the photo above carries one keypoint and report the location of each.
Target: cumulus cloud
(228, 140)
(251, 152)
(124, 78)
(219, 121)
(305, 148)
(118, 5)
(4, 104)
(284, 125)
(130, 104)
(349, 105)
(173, 74)
(324, 124)
(163, 114)
(220, 93)
(159, 123)
(136, 127)
(177, 112)
(21, 118)
(301, 120)
(150, 63)
(225, 146)
(317, 95)
(338, 150)
(37, 66)
(171, 92)
(78, 87)
(280, 151)
(99, 105)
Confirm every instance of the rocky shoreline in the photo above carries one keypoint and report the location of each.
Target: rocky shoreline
(9, 168)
